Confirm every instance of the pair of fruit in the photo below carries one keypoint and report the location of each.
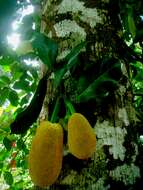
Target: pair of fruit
(45, 157)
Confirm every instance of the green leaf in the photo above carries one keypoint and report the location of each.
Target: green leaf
(131, 24)
(22, 85)
(20, 144)
(7, 143)
(139, 76)
(13, 97)
(3, 95)
(25, 99)
(100, 87)
(16, 72)
(82, 84)
(47, 49)
(3, 154)
(137, 69)
(7, 60)
(22, 163)
(71, 58)
(5, 79)
(59, 76)
(2, 84)
(19, 185)
(8, 178)
(34, 73)
(139, 35)
(1, 164)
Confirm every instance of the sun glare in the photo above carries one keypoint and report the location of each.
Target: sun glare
(141, 138)
(15, 25)
(27, 11)
(141, 17)
(34, 63)
(14, 40)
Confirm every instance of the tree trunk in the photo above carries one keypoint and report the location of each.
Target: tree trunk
(115, 162)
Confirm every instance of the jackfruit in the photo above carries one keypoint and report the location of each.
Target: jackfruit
(45, 156)
(81, 137)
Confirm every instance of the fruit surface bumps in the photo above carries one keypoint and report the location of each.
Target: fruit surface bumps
(45, 156)
(81, 137)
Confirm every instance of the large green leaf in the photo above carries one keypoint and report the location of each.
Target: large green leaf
(25, 99)
(8, 178)
(19, 184)
(137, 71)
(3, 95)
(2, 84)
(59, 76)
(5, 79)
(20, 144)
(131, 24)
(72, 57)
(139, 35)
(13, 97)
(6, 60)
(21, 85)
(3, 154)
(7, 143)
(1, 166)
(70, 62)
(47, 49)
(101, 86)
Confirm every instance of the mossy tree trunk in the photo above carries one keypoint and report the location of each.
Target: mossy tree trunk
(115, 163)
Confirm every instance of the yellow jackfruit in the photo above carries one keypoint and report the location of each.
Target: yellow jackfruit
(81, 137)
(45, 156)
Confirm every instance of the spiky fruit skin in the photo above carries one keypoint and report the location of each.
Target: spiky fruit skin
(45, 156)
(81, 137)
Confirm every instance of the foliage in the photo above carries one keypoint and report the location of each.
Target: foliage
(29, 115)
(18, 80)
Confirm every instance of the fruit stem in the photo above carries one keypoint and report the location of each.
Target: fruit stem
(55, 111)
(70, 106)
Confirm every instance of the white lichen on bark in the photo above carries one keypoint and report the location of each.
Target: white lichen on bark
(112, 137)
(136, 151)
(123, 116)
(66, 27)
(126, 174)
(100, 185)
(70, 6)
(87, 15)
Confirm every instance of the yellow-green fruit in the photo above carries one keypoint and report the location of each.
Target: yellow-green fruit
(81, 137)
(45, 156)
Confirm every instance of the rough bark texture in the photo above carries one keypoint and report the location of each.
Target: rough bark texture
(115, 163)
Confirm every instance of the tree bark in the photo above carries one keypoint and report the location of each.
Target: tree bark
(115, 162)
